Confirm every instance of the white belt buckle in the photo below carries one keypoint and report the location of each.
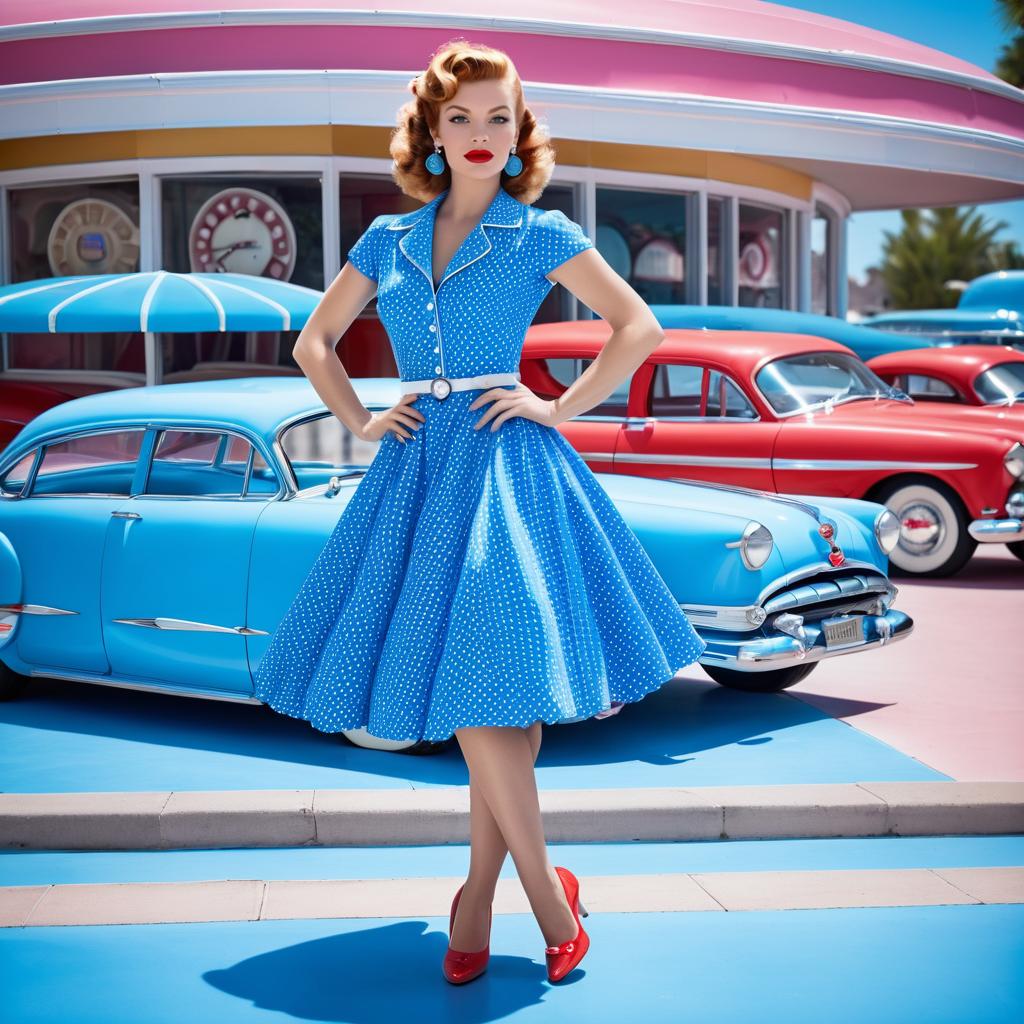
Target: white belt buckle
(440, 387)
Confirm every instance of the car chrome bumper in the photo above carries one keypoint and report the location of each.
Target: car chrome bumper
(997, 531)
(760, 654)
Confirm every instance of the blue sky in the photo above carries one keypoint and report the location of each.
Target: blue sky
(968, 29)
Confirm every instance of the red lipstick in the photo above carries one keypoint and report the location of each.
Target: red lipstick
(479, 156)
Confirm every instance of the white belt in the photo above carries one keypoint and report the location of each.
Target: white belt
(441, 387)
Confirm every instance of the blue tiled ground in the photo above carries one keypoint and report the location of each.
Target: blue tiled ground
(42, 868)
(887, 966)
(72, 737)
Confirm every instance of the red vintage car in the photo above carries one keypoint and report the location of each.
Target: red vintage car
(796, 414)
(974, 375)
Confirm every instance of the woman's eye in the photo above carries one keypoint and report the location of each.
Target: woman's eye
(502, 117)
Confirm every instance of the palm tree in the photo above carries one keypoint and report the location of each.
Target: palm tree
(1010, 65)
(947, 243)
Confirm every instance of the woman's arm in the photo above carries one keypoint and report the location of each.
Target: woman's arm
(636, 332)
(315, 347)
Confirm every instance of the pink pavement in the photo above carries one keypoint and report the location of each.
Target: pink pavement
(952, 693)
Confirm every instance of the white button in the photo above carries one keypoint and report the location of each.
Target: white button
(431, 328)
(436, 349)
(430, 305)
(437, 369)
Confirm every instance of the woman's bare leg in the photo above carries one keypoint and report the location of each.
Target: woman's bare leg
(500, 761)
(486, 859)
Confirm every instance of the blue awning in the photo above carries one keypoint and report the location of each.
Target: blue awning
(156, 301)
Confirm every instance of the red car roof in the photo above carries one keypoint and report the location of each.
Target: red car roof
(744, 351)
(965, 361)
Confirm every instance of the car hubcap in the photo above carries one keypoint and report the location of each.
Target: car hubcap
(921, 528)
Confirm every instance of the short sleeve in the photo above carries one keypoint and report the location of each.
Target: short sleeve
(559, 239)
(365, 254)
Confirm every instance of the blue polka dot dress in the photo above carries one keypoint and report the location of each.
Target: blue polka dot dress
(476, 577)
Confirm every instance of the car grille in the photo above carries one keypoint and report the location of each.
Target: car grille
(828, 594)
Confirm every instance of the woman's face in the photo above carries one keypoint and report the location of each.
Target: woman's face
(479, 117)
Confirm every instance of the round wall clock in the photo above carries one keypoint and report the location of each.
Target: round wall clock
(242, 231)
(92, 236)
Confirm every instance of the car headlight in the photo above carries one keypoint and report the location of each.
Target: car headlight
(1013, 460)
(887, 530)
(755, 545)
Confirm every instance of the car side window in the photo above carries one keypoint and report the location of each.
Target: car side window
(695, 392)
(206, 464)
(917, 385)
(14, 479)
(98, 464)
(550, 377)
(726, 400)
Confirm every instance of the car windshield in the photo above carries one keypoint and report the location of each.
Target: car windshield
(812, 380)
(321, 447)
(1001, 385)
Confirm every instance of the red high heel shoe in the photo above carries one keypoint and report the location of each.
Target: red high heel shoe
(564, 958)
(460, 967)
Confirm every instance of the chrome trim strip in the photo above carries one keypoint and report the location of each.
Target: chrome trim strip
(695, 460)
(35, 609)
(130, 684)
(846, 464)
(167, 623)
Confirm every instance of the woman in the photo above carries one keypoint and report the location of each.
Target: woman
(480, 581)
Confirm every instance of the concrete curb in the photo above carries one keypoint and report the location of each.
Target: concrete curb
(428, 817)
(293, 899)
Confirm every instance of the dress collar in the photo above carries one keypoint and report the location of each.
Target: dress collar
(505, 211)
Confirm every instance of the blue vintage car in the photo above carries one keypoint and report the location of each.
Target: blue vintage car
(867, 344)
(154, 537)
(990, 311)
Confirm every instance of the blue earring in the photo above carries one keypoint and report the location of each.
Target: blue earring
(435, 162)
(513, 165)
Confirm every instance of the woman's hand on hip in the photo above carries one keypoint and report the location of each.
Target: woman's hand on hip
(401, 415)
(508, 402)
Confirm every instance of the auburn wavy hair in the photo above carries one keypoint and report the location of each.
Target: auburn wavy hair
(455, 62)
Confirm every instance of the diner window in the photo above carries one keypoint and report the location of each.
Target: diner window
(268, 225)
(559, 303)
(74, 229)
(823, 252)
(762, 256)
(642, 235)
(365, 349)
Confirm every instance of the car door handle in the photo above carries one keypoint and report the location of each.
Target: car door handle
(126, 515)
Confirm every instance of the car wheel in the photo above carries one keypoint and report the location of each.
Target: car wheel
(760, 682)
(12, 684)
(933, 529)
(364, 739)
(1017, 548)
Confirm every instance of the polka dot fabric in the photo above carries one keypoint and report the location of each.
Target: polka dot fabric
(476, 577)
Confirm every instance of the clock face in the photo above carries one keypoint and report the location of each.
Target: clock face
(92, 236)
(242, 231)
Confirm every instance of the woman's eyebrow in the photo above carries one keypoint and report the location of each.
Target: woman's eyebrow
(455, 106)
